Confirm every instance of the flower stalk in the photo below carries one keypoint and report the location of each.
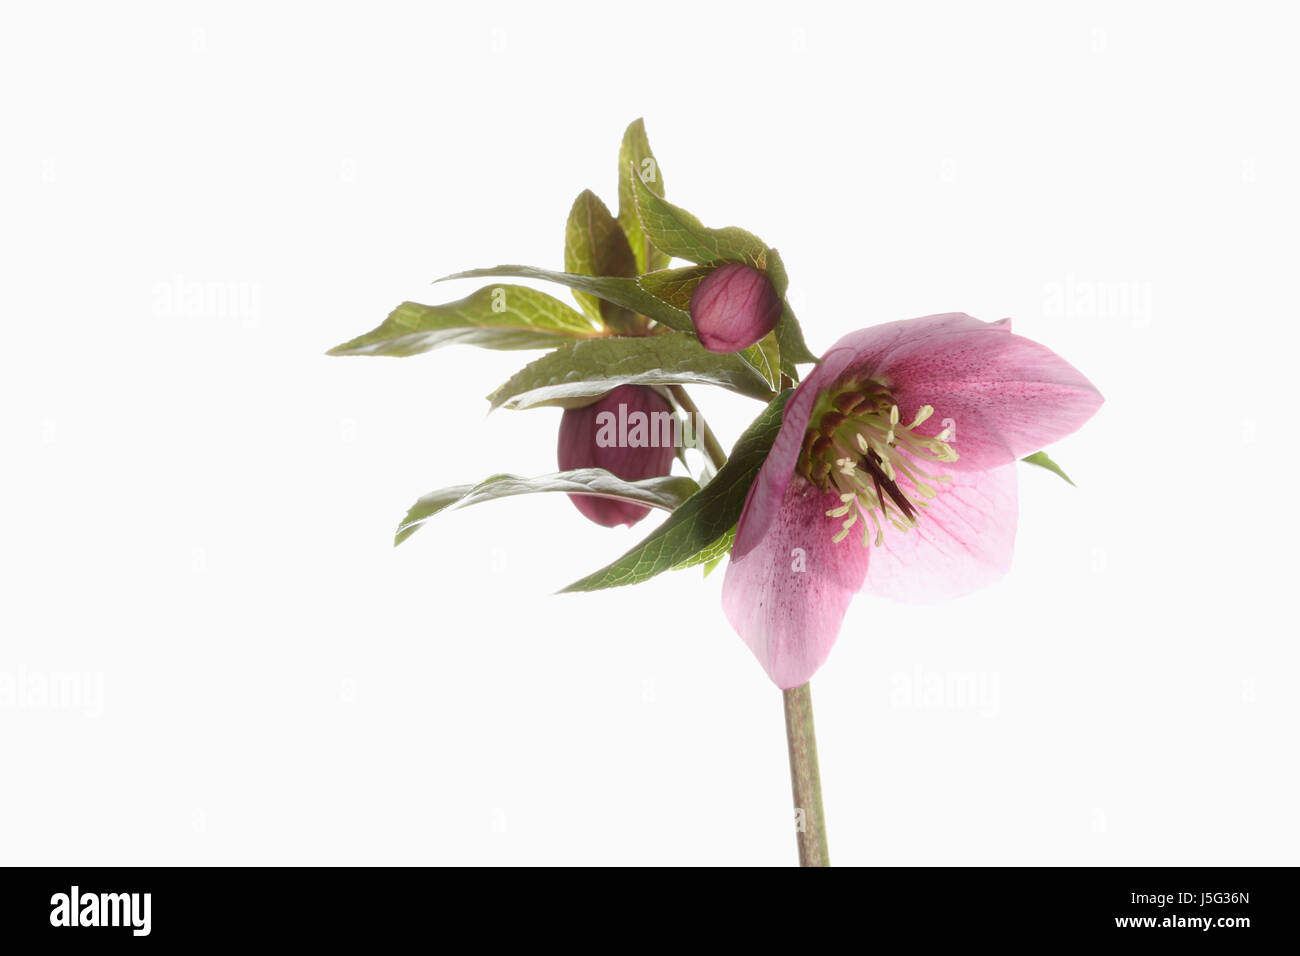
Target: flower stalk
(805, 779)
(712, 447)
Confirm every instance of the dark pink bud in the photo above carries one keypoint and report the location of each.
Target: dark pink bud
(734, 307)
(625, 434)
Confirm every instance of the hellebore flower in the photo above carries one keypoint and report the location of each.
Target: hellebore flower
(904, 441)
(734, 307)
(621, 432)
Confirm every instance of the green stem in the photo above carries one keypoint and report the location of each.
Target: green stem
(805, 780)
(712, 447)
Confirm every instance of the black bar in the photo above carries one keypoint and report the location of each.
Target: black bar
(233, 905)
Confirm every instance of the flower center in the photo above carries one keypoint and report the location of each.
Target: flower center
(857, 448)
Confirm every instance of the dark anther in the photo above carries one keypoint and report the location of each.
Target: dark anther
(870, 463)
(831, 421)
(848, 401)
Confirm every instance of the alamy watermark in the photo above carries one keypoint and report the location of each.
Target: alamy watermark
(185, 298)
(638, 429)
(76, 908)
(70, 692)
(1107, 299)
(923, 690)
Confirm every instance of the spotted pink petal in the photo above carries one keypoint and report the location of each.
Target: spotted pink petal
(790, 617)
(1001, 395)
(962, 542)
(769, 488)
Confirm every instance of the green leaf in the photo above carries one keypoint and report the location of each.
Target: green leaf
(636, 160)
(676, 232)
(789, 337)
(577, 372)
(495, 317)
(704, 517)
(667, 492)
(710, 555)
(594, 245)
(714, 562)
(788, 333)
(681, 234)
(621, 291)
(675, 286)
(1041, 459)
(776, 272)
(764, 356)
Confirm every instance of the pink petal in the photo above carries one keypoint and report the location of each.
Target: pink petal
(790, 618)
(963, 540)
(1002, 396)
(769, 488)
(1005, 395)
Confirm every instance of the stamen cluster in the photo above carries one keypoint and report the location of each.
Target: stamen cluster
(858, 449)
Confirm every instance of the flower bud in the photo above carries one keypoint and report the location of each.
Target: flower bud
(734, 307)
(623, 433)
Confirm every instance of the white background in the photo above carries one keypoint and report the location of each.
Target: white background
(210, 651)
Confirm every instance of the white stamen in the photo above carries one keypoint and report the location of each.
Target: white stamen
(892, 450)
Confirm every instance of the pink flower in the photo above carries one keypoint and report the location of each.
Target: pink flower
(621, 432)
(734, 307)
(893, 471)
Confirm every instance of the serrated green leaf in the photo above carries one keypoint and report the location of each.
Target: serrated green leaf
(684, 236)
(594, 245)
(794, 351)
(764, 357)
(621, 291)
(711, 554)
(790, 336)
(667, 493)
(675, 286)
(572, 376)
(704, 517)
(676, 232)
(636, 159)
(776, 272)
(495, 317)
(714, 562)
(1041, 459)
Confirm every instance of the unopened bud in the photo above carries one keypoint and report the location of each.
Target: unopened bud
(734, 307)
(624, 433)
